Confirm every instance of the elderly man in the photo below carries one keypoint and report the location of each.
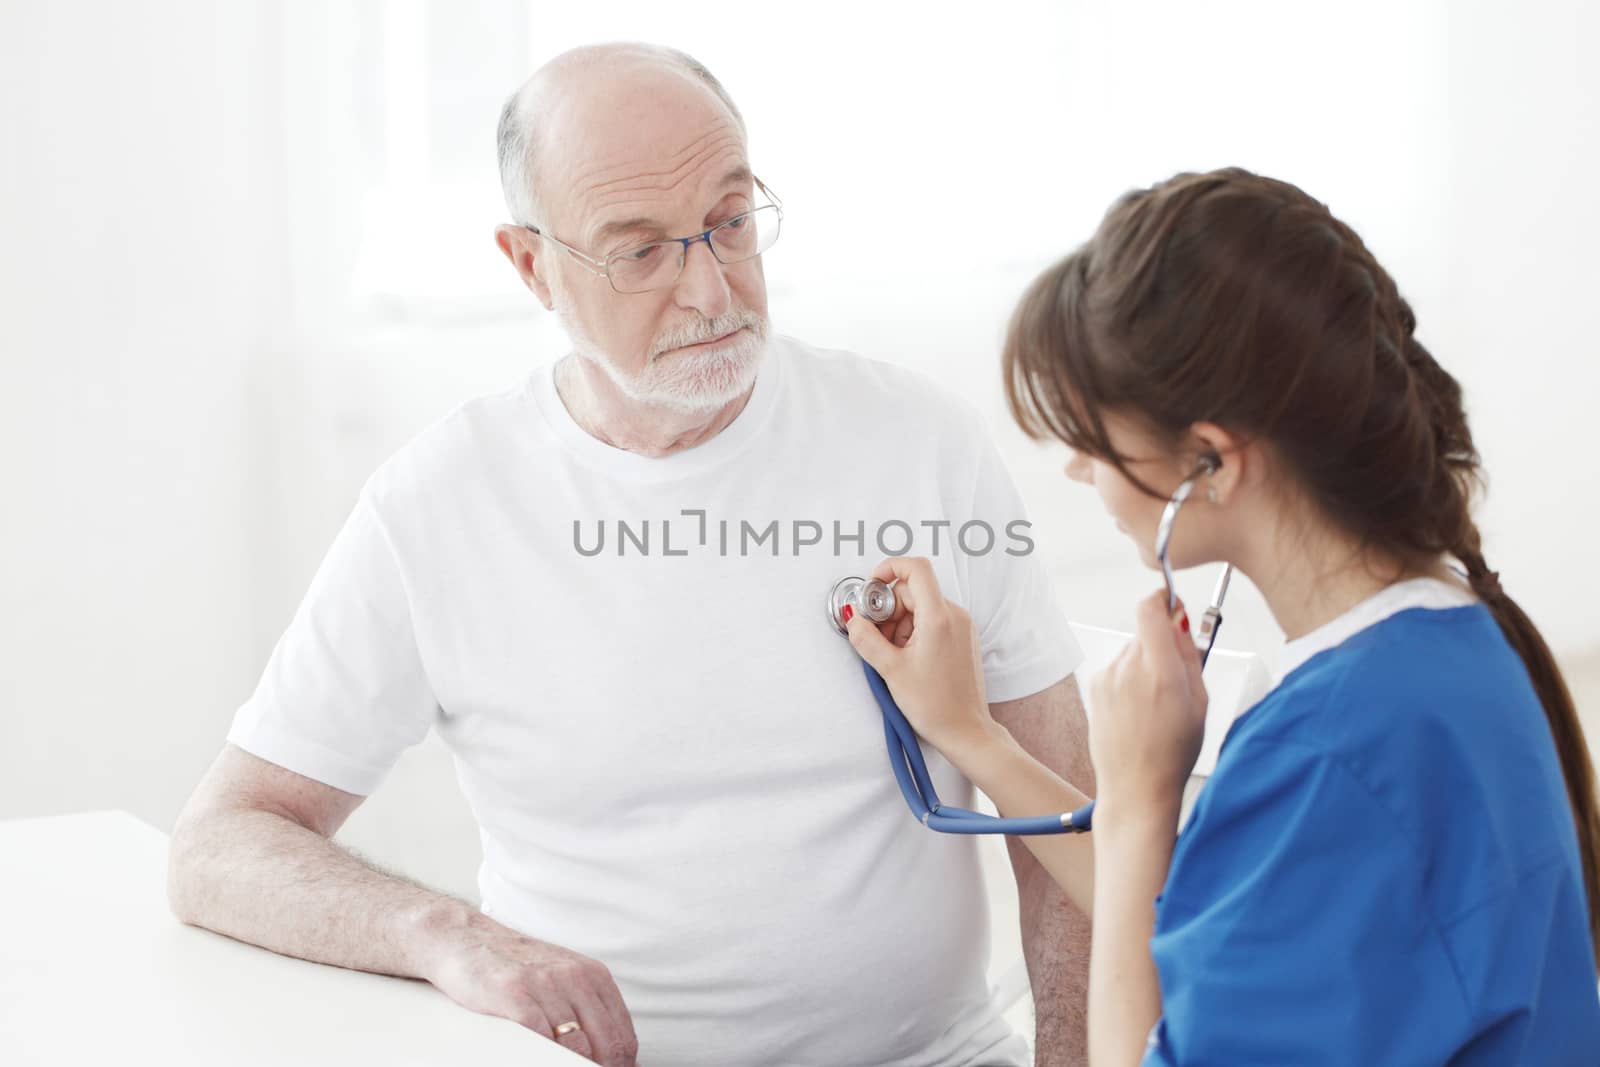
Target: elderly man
(604, 589)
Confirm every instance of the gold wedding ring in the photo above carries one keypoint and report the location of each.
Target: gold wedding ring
(567, 1028)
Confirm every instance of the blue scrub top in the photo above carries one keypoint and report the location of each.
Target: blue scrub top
(1383, 869)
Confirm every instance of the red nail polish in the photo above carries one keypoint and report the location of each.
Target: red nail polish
(1186, 622)
(847, 614)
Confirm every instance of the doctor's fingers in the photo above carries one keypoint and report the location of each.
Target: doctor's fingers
(1144, 659)
(1159, 631)
(916, 586)
(871, 644)
(1166, 648)
(899, 631)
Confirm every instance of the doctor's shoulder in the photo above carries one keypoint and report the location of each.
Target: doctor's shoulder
(1427, 715)
(1412, 670)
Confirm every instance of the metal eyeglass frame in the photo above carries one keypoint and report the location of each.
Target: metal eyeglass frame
(602, 267)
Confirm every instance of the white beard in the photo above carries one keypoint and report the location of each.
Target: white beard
(691, 383)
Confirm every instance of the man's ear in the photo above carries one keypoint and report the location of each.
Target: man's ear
(1235, 452)
(527, 254)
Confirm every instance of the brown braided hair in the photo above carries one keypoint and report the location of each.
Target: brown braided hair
(1236, 299)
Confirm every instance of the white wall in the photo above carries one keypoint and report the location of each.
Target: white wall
(138, 279)
(1522, 223)
(191, 395)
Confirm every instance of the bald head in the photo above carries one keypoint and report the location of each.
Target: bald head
(627, 147)
(560, 103)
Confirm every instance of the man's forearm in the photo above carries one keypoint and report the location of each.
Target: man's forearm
(266, 880)
(1052, 728)
(1055, 945)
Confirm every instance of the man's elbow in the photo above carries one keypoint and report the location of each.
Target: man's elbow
(190, 850)
(180, 863)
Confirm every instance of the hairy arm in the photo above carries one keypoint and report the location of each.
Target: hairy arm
(264, 879)
(252, 857)
(1055, 873)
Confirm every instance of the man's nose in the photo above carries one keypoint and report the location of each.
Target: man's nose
(701, 285)
(1079, 469)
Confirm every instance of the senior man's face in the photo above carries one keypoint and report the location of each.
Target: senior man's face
(668, 162)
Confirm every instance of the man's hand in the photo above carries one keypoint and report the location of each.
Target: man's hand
(494, 970)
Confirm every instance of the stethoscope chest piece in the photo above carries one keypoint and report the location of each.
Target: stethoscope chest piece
(868, 597)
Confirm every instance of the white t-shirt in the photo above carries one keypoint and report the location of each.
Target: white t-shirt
(674, 759)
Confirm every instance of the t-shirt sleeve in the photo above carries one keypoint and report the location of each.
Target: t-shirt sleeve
(344, 692)
(1294, 926)
(1027, 643)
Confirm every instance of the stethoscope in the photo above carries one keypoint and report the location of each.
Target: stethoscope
(875, 599)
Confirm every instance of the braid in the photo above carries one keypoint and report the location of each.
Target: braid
(1485, 582)
(1448, 460)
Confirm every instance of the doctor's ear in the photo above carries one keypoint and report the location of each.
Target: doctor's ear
(1226, 453)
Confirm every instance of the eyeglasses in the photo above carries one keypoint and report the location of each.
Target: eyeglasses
(657, 264)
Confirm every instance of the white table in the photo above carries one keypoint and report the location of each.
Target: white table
(94, 969)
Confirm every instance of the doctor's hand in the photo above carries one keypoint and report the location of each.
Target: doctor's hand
(495, 970)
(1148, 714)
(929, 657)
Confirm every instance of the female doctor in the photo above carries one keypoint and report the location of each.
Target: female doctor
(1396, 858)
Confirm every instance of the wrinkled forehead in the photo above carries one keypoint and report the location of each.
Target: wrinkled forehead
(651, 144)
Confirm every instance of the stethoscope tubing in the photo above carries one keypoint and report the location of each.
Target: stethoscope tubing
(905, 751)
(911, 772)
(916, 785)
